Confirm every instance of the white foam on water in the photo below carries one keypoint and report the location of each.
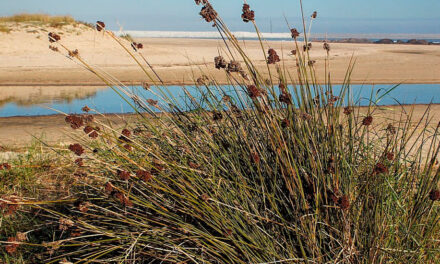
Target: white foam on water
(200, 34)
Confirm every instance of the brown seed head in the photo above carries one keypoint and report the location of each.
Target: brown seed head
(100, 25)
(295, 33)
(255, 157)
(285, 123)
(13, 246)
(144, 175)
(208, 13)
(273, 57)
(391, 129)
(434, 195)
(380, 169)
(203, 2)
(5, 166)
(390, 156)
(234, 66)
(109, 187)
(220, 62)
(326, 46)
(253, 91)
(124, 175)
(367, 121)
(73, 53)
(285, 97)
(53, 37)
(75, 121)
(248, 14)
(126, 132)
(307, 47)
(217, 116)
(82, 206)
(314, 15)
(86, 109)
(344, 202)
(79, 162)
(348, 110)
(77, 149)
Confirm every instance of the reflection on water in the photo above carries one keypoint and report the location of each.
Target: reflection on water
(37, 100)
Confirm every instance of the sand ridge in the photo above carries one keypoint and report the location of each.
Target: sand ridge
(25, 59)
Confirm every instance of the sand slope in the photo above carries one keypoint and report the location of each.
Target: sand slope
(25, 59)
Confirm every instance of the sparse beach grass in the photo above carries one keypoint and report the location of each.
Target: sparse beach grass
(39, 18)
(269, 169)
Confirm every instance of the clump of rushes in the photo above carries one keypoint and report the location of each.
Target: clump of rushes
(251, 173)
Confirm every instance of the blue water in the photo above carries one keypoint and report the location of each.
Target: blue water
(107, 101)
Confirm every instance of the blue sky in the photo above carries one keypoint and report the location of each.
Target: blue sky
(334, 16)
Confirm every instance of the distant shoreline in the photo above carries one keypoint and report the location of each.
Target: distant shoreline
(242, 35)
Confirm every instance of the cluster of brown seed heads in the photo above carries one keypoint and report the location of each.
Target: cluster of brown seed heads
(248, 14)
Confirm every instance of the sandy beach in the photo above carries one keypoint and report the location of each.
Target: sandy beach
(26, 60)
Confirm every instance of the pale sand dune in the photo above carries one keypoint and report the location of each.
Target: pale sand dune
(33, 95)
(25, 59)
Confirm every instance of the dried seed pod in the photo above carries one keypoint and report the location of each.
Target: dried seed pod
(253, 91)
(86, 109)
(273, 57)
(217, 116)
(326, 46)
(314, 15)
(77, 149)
(391, 129)
(285, 123)
(82, 206)
(203, 2)
(220, 62)
(53, 48)
(208, 13)
(285, 97)
(390, 156)
(367, 121)
(124, 175)
(12, 246)
(73, 53)
(79, 162)
(380, 169)
(348, 110)
(53, 37)
(248, 14)
(344, 202)
(75, 121)
(234, 66)
(307, 47)
(434, 195)
(144, 175)
(295, 33)
(100, 25)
